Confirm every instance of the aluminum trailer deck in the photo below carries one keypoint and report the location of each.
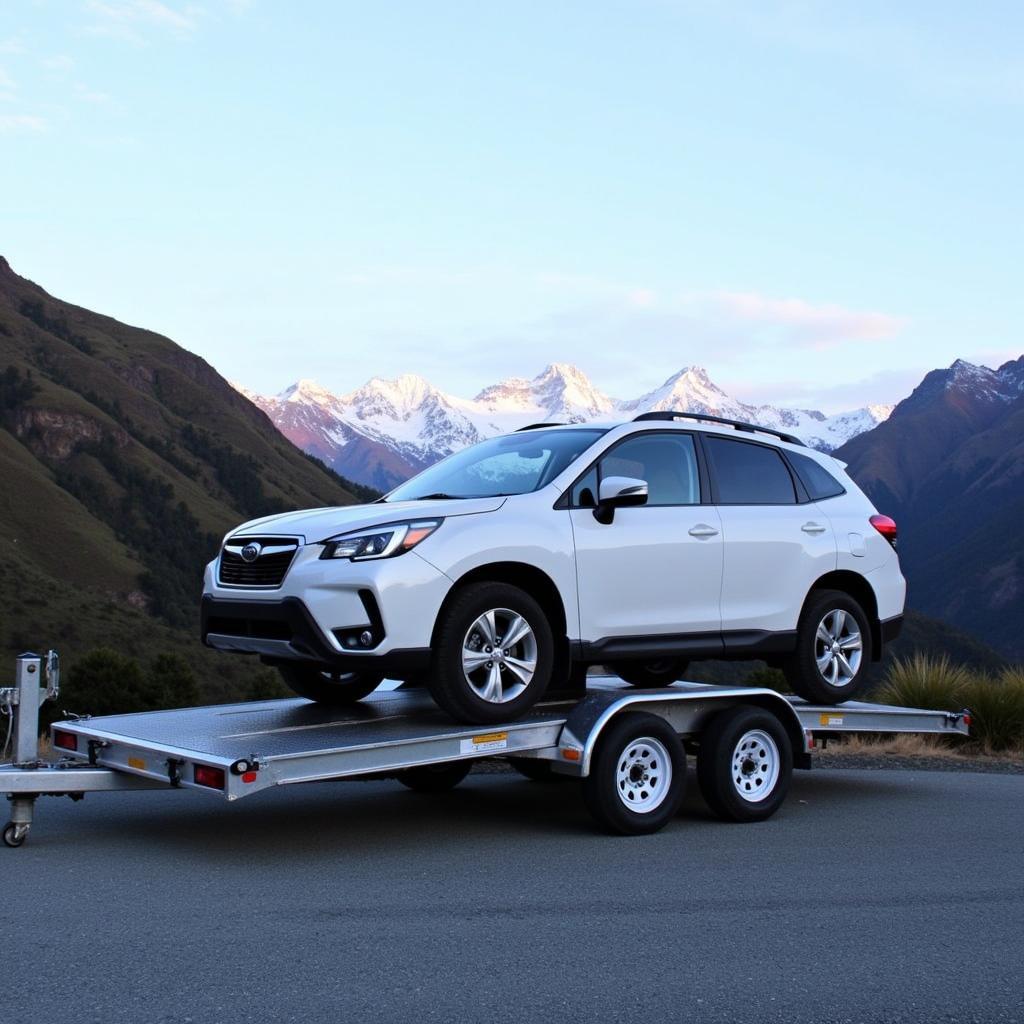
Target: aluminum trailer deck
(240, 749)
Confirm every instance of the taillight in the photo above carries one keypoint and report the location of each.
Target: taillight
(206, 776)
(65, 740)
(886, 527)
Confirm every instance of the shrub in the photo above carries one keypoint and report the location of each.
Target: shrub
(996, 703)
(106, 682)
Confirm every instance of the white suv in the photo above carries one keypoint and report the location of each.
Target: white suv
(507, 568)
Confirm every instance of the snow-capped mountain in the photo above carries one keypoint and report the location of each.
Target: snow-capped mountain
(387, 430)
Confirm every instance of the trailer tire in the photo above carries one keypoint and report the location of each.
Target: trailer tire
(12, 837)
(435, 778)
(744, 764)
(475, 623)
(637, 775)
(334, 689)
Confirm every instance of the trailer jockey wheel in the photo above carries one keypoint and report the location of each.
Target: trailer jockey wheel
(637, 775)
(745, 764)
(435, 778)
(14, 835)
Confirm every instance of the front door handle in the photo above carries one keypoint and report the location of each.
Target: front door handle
(703, 530)
(813, 528)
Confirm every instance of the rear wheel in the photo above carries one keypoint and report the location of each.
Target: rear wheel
(833, 648)
(435, 778)
(745, 764)
(336, 689)
(637, 775)
(493, 654)
(650, 674)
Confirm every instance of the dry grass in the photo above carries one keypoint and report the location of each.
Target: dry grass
(911, 745)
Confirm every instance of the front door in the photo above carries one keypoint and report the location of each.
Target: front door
(655, 569)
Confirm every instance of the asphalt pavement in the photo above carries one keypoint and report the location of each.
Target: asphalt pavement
(872, 896)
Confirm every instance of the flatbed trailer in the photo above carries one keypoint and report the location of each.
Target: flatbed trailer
(627, 745)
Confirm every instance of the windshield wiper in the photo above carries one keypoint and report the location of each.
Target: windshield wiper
(439, 496)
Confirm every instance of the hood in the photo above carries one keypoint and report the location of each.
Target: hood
(314, 525)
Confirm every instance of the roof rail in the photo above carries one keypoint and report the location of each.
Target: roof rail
(537, 426)
(750, 428)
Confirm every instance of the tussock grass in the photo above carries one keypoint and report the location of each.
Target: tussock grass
(996, 702)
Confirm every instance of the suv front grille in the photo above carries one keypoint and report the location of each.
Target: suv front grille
(273, 556)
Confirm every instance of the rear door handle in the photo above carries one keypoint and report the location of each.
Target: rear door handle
(813, 528)
(703, 530)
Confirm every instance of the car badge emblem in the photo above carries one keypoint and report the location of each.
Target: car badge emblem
(251, 552)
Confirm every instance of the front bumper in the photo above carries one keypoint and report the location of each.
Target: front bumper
(284, 630)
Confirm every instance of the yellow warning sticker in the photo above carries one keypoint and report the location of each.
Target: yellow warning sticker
(482, 744)
(831, 719)
(137, 762)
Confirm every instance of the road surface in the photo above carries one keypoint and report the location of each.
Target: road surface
(871, 896)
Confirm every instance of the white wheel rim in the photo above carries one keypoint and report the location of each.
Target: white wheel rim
(838, 648)
(755, 766)
(643, 775)
(499, 655)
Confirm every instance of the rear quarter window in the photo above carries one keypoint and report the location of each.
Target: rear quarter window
(749, 474)
(818, 481)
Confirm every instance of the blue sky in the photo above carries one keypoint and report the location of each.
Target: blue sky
(818, 202)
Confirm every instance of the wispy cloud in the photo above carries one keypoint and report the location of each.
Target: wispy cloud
(130, 20)
(804, 323)
(10, 123)
(60, 62)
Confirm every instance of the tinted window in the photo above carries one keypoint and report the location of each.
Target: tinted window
(749, 474)
(584, 491)
(820, 483)
(668, 462)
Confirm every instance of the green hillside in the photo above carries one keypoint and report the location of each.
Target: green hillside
(123, 460)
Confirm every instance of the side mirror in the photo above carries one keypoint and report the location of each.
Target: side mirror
(619, 492)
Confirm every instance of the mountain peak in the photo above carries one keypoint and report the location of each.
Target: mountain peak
(306, 390)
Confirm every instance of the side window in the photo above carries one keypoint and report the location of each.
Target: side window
(668, 462)
(820, 483)
(584, 491)
(749, 474)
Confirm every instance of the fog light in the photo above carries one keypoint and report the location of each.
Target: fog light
(366, 638)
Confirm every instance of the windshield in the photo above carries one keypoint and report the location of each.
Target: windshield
(513, 464)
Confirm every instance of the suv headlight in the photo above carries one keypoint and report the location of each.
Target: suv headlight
(380, 542)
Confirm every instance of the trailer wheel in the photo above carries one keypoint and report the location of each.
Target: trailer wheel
(335, 689)
(435, 778)
(745, 764)
(535, 770)
(13, 835)
(637, 775)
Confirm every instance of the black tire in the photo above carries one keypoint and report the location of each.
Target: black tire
(335, 689)
(722, 787)
(801, 667)
(449, 684)
(621, 749)
(435, 778)
(650, 674)
(535, 770)
(11, 837)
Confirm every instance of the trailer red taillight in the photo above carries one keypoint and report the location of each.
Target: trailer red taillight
(65, 740)
(886, 527)
(206, 776)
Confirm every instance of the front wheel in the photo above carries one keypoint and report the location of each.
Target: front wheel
(650, 674)
(637, 775)
(335, 689)
(833, 647)
(493, 654)
(435, 778)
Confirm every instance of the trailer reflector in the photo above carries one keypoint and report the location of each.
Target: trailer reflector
(65, 740)
(571, 753)
(206, 776)
(248, 776)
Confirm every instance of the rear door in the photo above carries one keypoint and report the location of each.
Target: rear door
(774, 547)
(656, 569)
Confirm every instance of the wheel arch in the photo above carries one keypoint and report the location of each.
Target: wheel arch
(537, 583)
(860, 589)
